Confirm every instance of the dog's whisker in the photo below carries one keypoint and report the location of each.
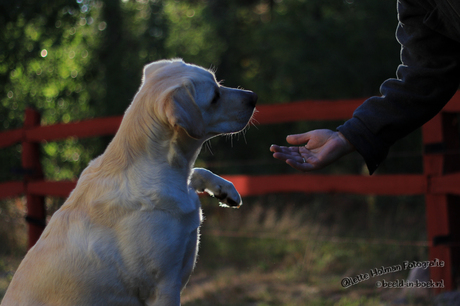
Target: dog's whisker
(213, 69)
(209, 146)
(253, 120)
(244, 134)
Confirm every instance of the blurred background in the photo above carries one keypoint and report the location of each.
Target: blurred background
(82, 59)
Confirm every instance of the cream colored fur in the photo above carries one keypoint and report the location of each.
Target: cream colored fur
(128, 233)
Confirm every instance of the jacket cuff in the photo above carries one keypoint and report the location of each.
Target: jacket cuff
(371, 148)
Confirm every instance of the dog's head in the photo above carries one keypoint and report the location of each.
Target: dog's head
(188, 97)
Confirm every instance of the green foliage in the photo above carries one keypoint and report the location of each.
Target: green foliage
(74, 60)
(192, 36)
(288, 50)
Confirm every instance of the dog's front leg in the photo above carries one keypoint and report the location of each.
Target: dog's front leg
(203, 180)
(165, 296)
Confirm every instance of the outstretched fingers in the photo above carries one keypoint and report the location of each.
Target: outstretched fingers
(302, 166)
(284, 153)
(298, 139)
(296, 157)
(313, 150)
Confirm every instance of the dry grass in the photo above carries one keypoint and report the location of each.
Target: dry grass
(233, 287)
(296, 253)
(12, 226)
(294, 250)
(12, 239)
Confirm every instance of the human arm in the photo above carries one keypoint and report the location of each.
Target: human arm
(427, 78)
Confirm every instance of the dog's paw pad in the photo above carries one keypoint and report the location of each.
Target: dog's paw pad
(229, 201)
(232, 205)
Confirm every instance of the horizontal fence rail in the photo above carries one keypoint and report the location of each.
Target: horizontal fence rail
(253, 185)
(266, 114)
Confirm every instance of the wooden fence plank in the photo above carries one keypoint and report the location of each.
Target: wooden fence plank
(438, 138)
(82, 129)
(278, 113)
(51, 188)
(251, 185)
(30, 156)
(446, 184)
(11, 189)
(403, 184)
(453, 106)
(306, 110)
(11, 137)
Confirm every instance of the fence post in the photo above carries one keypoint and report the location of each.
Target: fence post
(36, 213)
(441, 156)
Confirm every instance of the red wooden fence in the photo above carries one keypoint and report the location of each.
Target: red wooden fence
(440, 182)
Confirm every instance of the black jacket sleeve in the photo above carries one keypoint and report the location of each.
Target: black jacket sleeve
(427, 78)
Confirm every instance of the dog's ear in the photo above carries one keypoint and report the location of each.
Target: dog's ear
(182, 110)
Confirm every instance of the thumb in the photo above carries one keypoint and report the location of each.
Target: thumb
(298, 139)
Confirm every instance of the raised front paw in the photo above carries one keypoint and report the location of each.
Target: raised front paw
(218, 187)
(227, 194)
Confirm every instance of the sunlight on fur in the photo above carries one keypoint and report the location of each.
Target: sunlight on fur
(128, 233)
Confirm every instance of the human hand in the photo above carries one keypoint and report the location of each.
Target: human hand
(322, 148)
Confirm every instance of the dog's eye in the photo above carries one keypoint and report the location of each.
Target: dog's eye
(216, 97)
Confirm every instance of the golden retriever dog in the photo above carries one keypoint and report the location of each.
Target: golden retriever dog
(128, 233)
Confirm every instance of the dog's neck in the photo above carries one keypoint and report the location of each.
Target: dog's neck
(160, 164)
(171, 150)
(183, 150)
